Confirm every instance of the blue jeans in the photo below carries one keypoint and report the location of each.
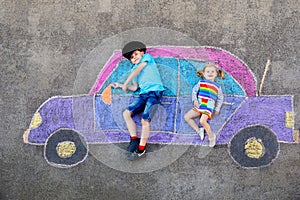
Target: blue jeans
(144, 104)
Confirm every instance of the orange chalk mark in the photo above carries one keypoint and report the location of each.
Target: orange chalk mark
(106, 95)
(25, 136)
(297, 136)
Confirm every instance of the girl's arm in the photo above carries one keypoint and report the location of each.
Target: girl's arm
(219, 101)
(195, 92)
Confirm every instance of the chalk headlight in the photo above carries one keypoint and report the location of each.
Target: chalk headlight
(36, 121)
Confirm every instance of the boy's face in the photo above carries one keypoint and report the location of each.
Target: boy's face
(136, 56)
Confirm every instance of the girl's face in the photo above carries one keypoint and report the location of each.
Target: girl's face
(210, 73)
(136, 56)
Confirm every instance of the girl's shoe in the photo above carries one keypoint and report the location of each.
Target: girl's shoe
(212, 141)
(201, 133)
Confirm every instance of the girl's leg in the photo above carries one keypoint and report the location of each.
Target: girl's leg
(189, 118)
(131, 126)
(206, 126)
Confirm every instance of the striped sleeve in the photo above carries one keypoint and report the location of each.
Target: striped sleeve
(195, 92)
(220, 100)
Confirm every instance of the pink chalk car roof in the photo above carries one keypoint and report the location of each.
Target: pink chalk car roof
(225, 60)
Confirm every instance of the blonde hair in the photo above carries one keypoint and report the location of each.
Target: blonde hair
(220, 72)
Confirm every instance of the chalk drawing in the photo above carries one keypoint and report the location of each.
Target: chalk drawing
(251, 125)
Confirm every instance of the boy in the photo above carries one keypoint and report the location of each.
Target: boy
(146, 77)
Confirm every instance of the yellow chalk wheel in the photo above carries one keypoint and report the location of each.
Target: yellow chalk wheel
(37, 120)
(254, 148)
(65, 149)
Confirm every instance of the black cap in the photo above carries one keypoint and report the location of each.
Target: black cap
(130, 47)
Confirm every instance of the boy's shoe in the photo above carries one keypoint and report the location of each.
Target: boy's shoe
(212, 141)
(133, 145)
(201, 133)
(137, 155)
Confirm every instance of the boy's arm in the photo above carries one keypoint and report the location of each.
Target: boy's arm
(133, 87)
(133, 74)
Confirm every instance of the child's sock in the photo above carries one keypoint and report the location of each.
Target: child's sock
(141, 148)
(133, 137)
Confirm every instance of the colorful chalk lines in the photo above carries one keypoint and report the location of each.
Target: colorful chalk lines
(252, 126)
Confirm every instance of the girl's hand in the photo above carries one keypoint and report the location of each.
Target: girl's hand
(215, 113)
(196, 104)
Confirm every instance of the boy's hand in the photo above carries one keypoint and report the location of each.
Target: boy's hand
(115, 85)
(119, 85)
(124, 87)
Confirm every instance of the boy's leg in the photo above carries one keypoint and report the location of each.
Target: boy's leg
(141, 146)
(131, 126)
(145, 132)
(134, 108)
(134, 140)
(153, 99)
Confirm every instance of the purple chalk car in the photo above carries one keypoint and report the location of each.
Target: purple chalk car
(251, 125)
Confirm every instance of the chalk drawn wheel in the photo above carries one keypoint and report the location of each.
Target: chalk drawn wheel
(65, 148)
(254, 146)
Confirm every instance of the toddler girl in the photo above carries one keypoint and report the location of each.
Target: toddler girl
(207, 97)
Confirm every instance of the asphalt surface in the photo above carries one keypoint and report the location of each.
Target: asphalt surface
(53, 48)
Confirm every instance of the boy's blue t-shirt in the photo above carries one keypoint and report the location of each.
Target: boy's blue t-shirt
(149, 78)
